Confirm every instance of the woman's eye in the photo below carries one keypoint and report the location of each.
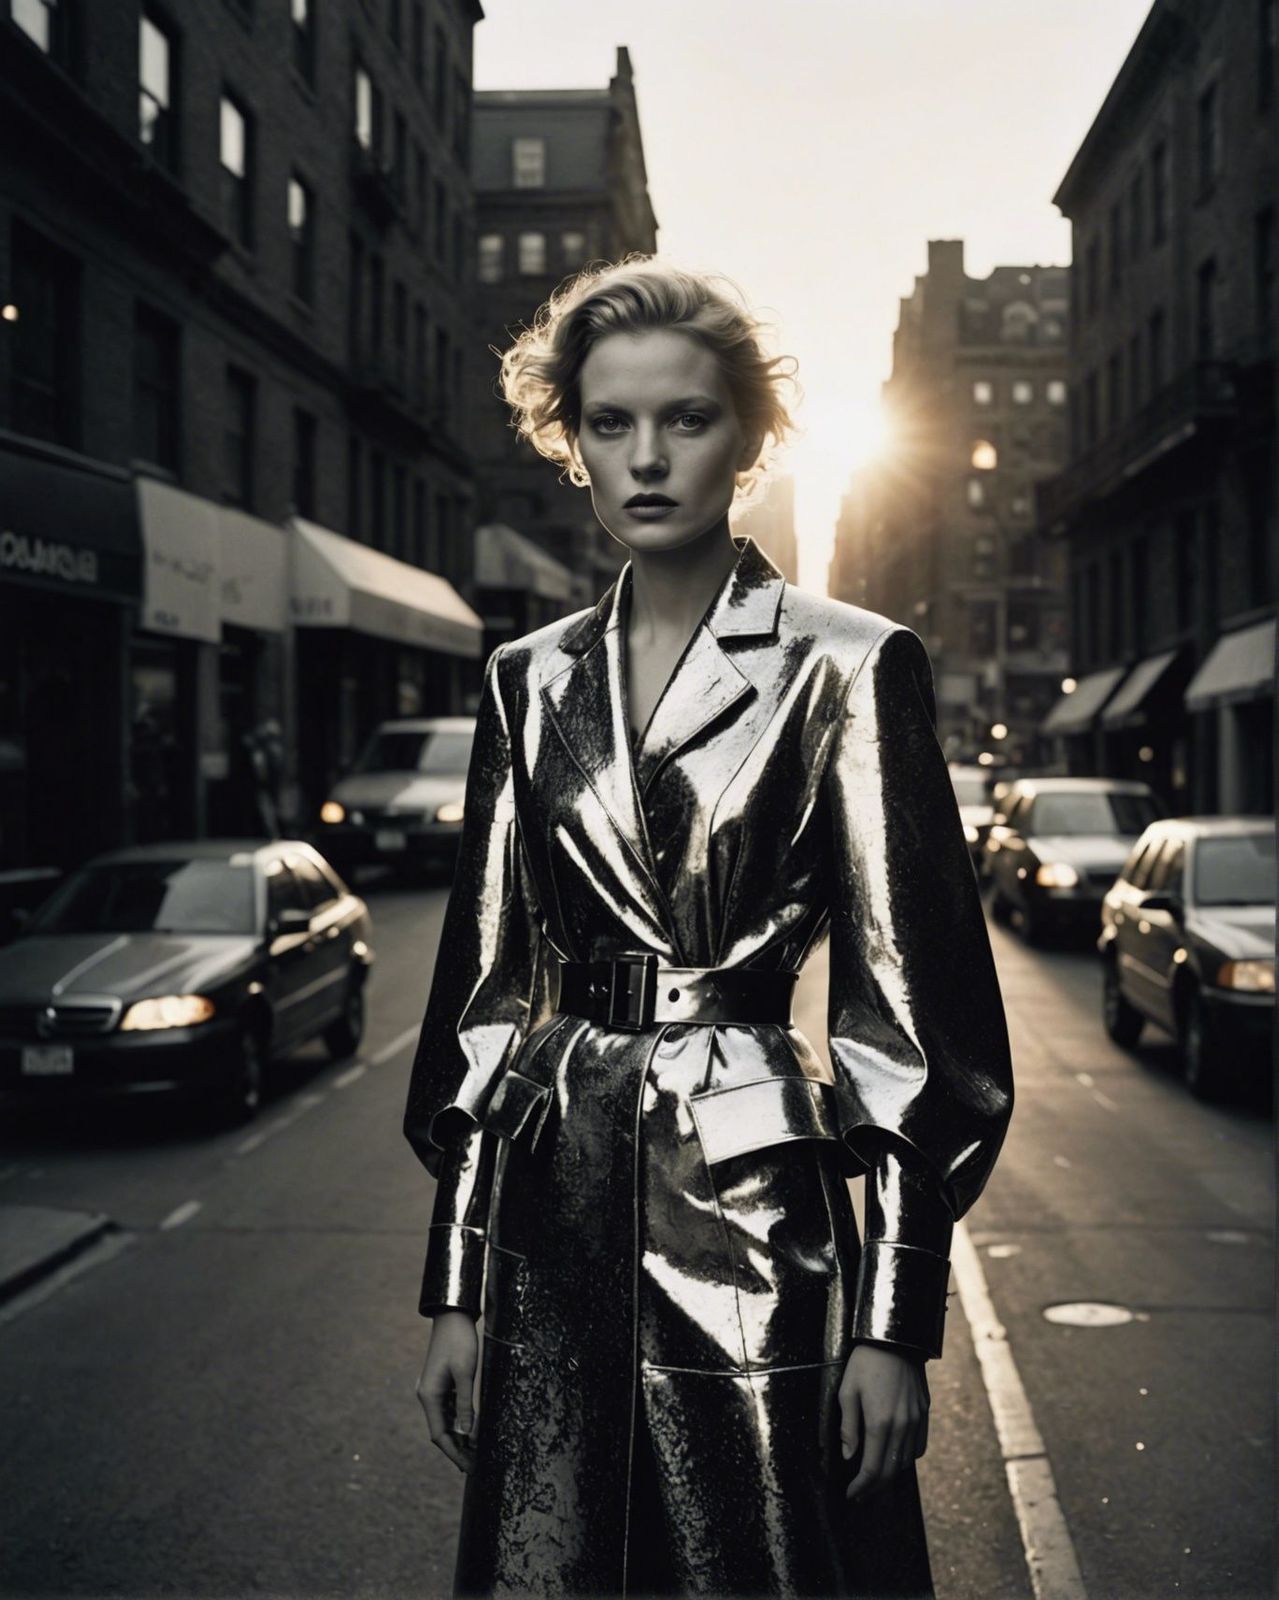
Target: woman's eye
(607, 424)
(691, 421)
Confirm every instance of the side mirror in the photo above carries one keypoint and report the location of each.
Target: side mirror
(292, 919)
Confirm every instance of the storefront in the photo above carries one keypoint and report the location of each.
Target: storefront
(518, 586)
(1146, 728)
(1234, 690)
(71, 564)
(374, 638)
(1073, 721)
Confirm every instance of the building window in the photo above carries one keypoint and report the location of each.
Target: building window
(355, 296)
(528, 163)
(237, 453)
(1206, 311)
(44, 393)
(395, 21)
(1091, 409)
(573, 248)
(1136, 213)
(1208, 140)
(983, 392)
(976, 493)
(1114, 390)
(1267, 41)
(400, 331)
(418, 56)
(368, 112)
(459, 245)
(400, 156)
(1155, 353)
(1186, 567)
(1023, 625)
(985, 457)
(418, 556)
(1023, 392)
(440, 221)
(304, 435)
(399, 510)
(441, 373)
(302, 238)
(157, 393)
(1094, 611)
(461, 119)
(421, 183)
(1115, 613)
(354, 487)
(984, 557)
(439, 75)
(236, 154)
(419, 355)
(1055, 391)
(490, 252)
(1116, 246)
(532, 254)
(47, 24)
(1264, 271)
(377, 499)
(982, 615)
(1139, 573)
(1134, 373)
(303, 39)
(157, 121)
(1093, 276)
(377, 296)
(1159, 193)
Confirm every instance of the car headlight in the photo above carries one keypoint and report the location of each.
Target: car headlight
(168, 1011)
(332, 811)
(450, 811)
(970, 833)
(1257, 977)
(1056, 875)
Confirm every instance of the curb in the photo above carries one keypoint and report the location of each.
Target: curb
(24, 1261)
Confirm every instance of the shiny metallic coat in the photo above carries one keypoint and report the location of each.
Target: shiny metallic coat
(655, 1224)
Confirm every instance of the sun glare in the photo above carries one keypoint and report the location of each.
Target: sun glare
(868, 434)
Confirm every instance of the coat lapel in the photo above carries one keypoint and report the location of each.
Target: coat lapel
(587, 699)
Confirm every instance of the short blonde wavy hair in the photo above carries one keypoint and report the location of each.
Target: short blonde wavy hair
(540, 371)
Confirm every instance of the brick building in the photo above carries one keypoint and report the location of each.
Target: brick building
(559, 181)
(1167, 506)
(939, 531)
(234, 246)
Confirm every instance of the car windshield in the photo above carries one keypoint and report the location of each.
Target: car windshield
(1238, 871)
(970, 790)
(402, 750)
(1098, 812)
(151, 897)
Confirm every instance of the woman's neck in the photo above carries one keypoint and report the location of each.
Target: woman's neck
(671, 589)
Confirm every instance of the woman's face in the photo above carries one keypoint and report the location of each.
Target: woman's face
(660, 437)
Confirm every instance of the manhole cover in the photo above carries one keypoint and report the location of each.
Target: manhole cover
(1089, 1314)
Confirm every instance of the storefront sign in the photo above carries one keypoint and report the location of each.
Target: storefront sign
(71, 563)
(254, 566)
(182, 578)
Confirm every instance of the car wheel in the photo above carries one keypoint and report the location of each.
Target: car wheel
(999, 906)
(1029, 924)
(1194, 1040)
(342, 1037)
(1123, 1022)
(240, 1098)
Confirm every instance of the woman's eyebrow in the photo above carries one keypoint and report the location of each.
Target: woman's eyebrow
(702, 400)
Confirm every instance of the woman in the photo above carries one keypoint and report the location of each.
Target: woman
(694, 1374)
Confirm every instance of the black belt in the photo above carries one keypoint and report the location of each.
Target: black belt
(633, 992)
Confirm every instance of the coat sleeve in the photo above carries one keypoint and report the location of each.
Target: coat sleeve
(488, 990)
(918, 1038)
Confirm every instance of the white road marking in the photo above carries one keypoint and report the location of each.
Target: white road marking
(395, 1046)
(181, 1214)
(350, 1075)
(1104, 1101)
(300, 1107)
(1050, 1552)
(1086, 1078)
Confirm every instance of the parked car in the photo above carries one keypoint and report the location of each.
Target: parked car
(976, 812)
(184, 966)
(1188, 943)
(1055, 846)
(402, 801)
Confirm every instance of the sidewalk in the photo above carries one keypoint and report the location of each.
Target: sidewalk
(36, 1239)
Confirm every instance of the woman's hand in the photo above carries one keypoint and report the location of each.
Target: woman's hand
(883, 1401)
(447, 1385)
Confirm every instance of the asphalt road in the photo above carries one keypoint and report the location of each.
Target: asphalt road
(220, 1400)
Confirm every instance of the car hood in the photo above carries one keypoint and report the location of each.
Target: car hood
(977, 816)
(399, 791)
(1241, 933)
(130, 965)
(1097, 851)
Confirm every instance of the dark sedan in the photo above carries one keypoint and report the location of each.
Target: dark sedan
(976, 812)
(184, 966)
(1188, 943)
(1055, 847)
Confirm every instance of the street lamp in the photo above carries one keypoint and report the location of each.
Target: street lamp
(999, 731)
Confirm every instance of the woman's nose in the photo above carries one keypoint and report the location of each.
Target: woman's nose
(647, 457)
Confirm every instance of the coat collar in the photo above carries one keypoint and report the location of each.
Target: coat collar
(587, 698)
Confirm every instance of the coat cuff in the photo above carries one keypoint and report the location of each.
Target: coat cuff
(901, 1297)
(453, 1277)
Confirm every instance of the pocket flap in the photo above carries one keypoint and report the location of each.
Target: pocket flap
(752, 1116)
(513, 1102)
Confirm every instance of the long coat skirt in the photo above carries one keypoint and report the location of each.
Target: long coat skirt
(655, 1223)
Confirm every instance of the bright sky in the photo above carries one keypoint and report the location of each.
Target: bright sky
(810, 150)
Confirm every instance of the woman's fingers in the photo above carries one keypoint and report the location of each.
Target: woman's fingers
(891, 1445)
(441, 1391)
(876, 1440)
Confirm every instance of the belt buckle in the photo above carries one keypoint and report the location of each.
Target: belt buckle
(632, 991)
